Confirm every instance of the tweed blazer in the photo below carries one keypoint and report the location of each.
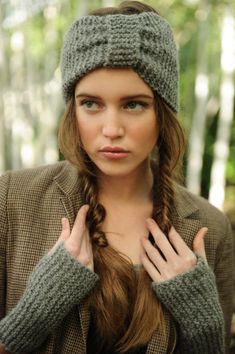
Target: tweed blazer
(32, 203)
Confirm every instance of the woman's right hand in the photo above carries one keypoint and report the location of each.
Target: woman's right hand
(60, 280)
(77, 242)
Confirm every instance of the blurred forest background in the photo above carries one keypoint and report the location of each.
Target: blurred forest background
(31, 105)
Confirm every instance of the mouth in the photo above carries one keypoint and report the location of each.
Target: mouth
(114, 152)
(114, 149)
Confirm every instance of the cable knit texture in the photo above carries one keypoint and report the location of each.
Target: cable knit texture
(57, 283)
(192, 299)
(143, 41)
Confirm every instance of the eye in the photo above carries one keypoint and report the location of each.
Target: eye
(136, 105)
(90, 105)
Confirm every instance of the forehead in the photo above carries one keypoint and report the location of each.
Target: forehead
(120, 80)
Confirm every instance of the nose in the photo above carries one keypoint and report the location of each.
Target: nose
(112, 126)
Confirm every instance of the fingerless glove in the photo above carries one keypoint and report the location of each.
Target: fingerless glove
(193, 301)
(57, 283)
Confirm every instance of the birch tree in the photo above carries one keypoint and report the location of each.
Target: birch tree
(197, 133)
(2, 89)
(221, 147)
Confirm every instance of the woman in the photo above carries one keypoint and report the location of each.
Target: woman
(129, 272)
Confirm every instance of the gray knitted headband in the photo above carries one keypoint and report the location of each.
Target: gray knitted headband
(143, 41)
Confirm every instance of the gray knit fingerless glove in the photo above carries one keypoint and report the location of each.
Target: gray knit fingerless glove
(57, 283)
(193, 301)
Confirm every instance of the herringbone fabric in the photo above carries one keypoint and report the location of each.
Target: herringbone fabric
(32, 203)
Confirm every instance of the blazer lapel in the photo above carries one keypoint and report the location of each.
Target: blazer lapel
(68, 183)
(187, 228)
(185, 216)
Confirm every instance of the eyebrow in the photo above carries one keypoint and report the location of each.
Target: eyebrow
(138, 96)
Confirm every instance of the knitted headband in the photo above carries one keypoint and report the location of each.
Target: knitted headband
(143, 41)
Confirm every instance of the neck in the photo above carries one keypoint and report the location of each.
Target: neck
(132, 188)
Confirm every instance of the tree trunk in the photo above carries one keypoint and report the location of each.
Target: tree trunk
(3, 88)
(197, 133)
(221, 147)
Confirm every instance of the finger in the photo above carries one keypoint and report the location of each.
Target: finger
(161, 240)
(153, 254)
(65, 233)
(86, 254)
(65, 229)
(198, 243)
(79, 226)
(149, 267)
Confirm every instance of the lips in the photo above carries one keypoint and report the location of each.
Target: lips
(114, 149)
(113, 152)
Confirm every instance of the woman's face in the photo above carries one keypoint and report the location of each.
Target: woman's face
(116, 118)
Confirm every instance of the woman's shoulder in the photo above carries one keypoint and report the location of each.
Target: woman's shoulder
(39, 178)
(188, 204)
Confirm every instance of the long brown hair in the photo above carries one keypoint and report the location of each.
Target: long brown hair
(123, 305)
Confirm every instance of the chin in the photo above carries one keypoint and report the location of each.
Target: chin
(119, 170)
(115, 172)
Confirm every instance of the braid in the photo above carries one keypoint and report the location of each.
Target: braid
(163, 192)
(96, 213)
(170, 144)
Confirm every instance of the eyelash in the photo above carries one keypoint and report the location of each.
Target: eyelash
(142, 104)
(82, 103)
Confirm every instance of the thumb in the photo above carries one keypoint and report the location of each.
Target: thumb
(198, 243)
(65, 233)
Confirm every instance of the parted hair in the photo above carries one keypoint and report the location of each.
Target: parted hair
(124, 307)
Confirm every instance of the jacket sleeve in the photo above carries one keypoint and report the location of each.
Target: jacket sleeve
(57, 283)
(3, 233)
(193, 301)
(224, 270)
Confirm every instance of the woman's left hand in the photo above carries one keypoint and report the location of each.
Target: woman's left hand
(175, 257)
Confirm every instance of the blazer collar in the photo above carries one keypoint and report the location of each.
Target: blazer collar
(68, 182)
(68, 179)
(185, 204)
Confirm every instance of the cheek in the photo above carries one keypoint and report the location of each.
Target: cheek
(87, 130)
(148, 133)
